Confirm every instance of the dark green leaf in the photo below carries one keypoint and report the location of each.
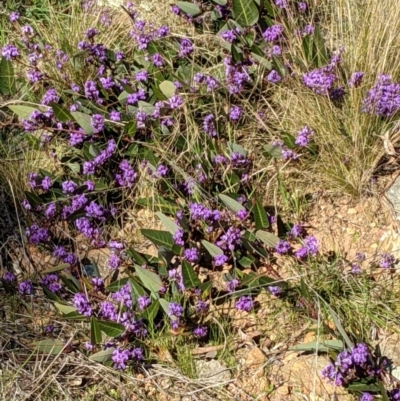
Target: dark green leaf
(136, 288)
(260, 215)
(95, 332)
(190, 279)
(151, 311)
(136, 256)
(116, 285)
(245, 12)
(58, 268)
(61, 113)
(163, 238)
(111, 329)
(7, 77)
(246, 261)
(370, 385)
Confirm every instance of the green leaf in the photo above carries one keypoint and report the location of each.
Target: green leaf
(339, 326)
(61, 113)
(164, 304)
(146, 107)
(247, 261)
(136, 256)
(22, 111)
(58, 268)
(50, 346)
(102, 356)
(74, 316)
(7, 77)
(190, 279)
(136, 288)
(364, 385)
(168, 223)
(160, 238)
(322, 346)
(232, 204)
(167, 88)
(95, 332)
(273, 151)
(189, 8)
(308, 43)
(111, 329)
(33, 199)
(269, 239)
(212, 249)
(245, 12)
(83, 120)
(116, 285)
(260, 215)
(149, 279)
(64, 309)
(320, 48)
(234, 147)
(151, 311)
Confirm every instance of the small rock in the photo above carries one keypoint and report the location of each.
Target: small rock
(352, 211)
(350, 230)
(255, 359)
(213, 369)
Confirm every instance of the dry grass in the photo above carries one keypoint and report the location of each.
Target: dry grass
(350, 142)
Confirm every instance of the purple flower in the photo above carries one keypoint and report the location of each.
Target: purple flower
(91, 91)
(355, 79)
(115, 115)
(32, 180)
(50, 96)
(209, 126)
(281, 3)
(163, 31)
(360, 354)
(231, 285)
(273, 77)
(123, 296)
(25, 288)
(185, 48)
(296, 231)
(282, 247)
(178, 237)
(220, 260)
(303, 136)
(26, 205)
(228, 35)
(387, 261)
(90, 185)
(366, 397)
(175, 310)
(143, 302)
(273, 33)
(274, 290)
(97, 122)
(242, 214)
(142, 76)
(120, 358)
(175, 102)
(230, 239)
(127, 176)
(202, 307)
(37, 235)
(157, 60)
(191, 254)
(46, 183)
(98, 283)
(51, 282)
(9, 52)
(114, 261)
(68, 187)
(245, 303)
(200, 331)
(308, 29)
(235, 112)
(81, 304)
(91, 33)
(9, 277)
(108, 311)
(34, 76)
(14, 16)
(319, 80)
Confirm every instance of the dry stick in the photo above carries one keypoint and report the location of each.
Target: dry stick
(20, 229)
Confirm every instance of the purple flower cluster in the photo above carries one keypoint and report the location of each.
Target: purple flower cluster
(319, 80)
(209, 125)
(355, 79)
(273, 33)
(310, 247)
(25, 288)
(81, 303)
(303, 136)
(347, 362)
(51, 282)
(236, 75)
(127, 174)
(245, 303)
(230, 239)
(383, 99)
(121, 357)
(387, 261)
(37, 234)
